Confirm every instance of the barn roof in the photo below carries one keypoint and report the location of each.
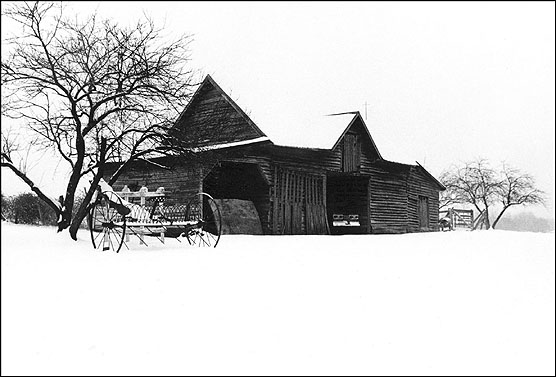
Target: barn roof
(323, 132)
(398, 167)
(212, 120)
(213, 115)
(438, 183)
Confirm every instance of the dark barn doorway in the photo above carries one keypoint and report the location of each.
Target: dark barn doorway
(348, 204)
(242, 194)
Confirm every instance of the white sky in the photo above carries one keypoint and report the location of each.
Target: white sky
(444, 82)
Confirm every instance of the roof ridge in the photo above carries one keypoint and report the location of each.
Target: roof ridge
(235, 106)
(344, 113)
(208, 79)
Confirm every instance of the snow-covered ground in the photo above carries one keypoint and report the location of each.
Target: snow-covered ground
(465, 303)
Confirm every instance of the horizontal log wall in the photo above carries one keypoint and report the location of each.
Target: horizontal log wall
(181, 182)
(304, 159)
(388, 201)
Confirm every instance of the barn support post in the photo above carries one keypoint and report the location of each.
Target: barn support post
(324, 198)
(275, 202)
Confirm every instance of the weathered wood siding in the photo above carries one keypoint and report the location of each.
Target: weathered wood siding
(180, 182)
(418, 184)
(388, 200)
(347, 153)
(298, 202)
(211, 119)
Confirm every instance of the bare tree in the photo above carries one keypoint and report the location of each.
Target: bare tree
(516, 188)
(93, 92)
(475, 183)
(478, 184)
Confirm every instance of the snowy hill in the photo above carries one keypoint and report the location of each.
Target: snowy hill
(526, 222)
(465, 303)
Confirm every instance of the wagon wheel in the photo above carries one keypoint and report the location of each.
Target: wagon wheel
(106, 225)
(207, 227)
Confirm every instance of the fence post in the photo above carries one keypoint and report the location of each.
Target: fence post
(142, 195)
(160, 200)
(125, 193)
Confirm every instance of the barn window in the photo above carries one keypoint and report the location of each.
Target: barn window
(351, 156)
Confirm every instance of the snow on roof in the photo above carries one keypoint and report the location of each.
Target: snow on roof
(229, 145)
(321, 132)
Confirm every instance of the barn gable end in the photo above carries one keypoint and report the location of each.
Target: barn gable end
(212, 118)
(358, 128)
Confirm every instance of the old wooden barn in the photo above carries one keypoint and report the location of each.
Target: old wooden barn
(341, 186)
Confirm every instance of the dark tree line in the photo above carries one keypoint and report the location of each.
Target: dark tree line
(28, 208)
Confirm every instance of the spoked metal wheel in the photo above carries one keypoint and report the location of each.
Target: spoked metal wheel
(203, 210)
(106, 225)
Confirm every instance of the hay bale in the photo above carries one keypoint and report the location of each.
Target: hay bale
(239, 217)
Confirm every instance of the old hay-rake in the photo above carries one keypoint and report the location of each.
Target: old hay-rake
(114, 218)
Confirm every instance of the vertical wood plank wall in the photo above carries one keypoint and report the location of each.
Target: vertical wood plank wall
(388, 202)
(299, 202)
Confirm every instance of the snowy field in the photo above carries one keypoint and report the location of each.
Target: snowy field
(453, 303)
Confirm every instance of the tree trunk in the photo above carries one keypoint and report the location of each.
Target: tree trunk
(74, 177)
(487, 219)
(84, 207)
(500, 216)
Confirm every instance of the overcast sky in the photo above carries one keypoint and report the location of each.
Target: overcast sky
(444, 82)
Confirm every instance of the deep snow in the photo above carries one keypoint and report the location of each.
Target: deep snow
(465, 303)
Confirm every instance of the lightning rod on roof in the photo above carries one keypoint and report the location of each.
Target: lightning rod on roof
(365, 110)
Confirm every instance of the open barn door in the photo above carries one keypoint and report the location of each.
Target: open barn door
(348, 204)
(242, 194)
(299, 203)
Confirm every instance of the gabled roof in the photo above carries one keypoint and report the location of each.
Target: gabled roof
(440, 185)
(356, 116)
(398, 167)
(324, 134)
(203, 121)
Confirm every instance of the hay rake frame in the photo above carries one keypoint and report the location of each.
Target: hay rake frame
(113, 218)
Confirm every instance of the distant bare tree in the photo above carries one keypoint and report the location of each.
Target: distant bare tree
(516, 188)
(480, 185)
(475, 183)
(93, 92)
